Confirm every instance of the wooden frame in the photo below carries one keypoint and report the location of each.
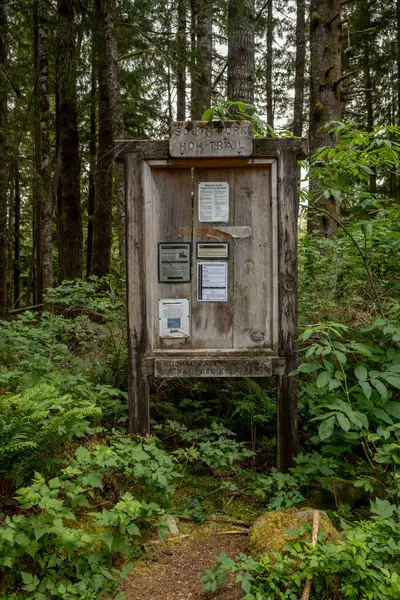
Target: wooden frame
(142, 159)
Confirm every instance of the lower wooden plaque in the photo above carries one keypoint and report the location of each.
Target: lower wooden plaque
(223, 367)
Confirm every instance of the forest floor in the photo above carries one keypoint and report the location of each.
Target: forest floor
(175, 567)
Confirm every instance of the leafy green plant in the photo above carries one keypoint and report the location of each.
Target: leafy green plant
(75, 532)
(228, 110)
(362, 566)
(212, 447)
(35, 425)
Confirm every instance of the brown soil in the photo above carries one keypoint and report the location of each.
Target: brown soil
(175, 570)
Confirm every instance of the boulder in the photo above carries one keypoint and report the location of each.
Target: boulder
(268, 532)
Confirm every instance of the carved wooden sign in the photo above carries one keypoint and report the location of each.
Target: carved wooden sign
(198, 138)
(211, 367)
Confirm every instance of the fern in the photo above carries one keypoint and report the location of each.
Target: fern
(35, 423)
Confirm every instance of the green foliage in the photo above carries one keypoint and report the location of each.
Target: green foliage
(212, 447)
(362, 566)
(227, 110)
(61, 545)
(34, 427)
(358, 374)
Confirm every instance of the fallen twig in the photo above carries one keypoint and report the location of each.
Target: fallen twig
(314, 539)
(233, 532)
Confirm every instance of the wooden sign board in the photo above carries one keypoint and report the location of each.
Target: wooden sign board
(198, 138)
(212, 263)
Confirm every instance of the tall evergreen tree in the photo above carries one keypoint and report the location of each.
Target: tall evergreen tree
(202, 56)
(70, 242)
(269, 64)
(3, 154)
(241, 51)
(325, 99)
(299, 68)
(181, 61)
(110, 128)
(46, 196)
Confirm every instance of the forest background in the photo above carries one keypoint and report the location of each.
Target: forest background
(80, 497)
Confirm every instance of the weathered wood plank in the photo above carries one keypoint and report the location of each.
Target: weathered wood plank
(197, 138)
(168, 209)
(212, 321)
(138, 400)
(287, 429)
(253, 292)
(159, 149)
(216, 367)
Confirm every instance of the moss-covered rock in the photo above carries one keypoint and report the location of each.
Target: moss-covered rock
(342, 491)
(268, 532)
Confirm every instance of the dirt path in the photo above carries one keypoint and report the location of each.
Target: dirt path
(175, 571)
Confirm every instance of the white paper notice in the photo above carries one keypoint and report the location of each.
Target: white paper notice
(213, 202)
(174, 318)
(212, 281)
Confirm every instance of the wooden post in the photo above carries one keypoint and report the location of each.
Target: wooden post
(138, 400)
(287, 409)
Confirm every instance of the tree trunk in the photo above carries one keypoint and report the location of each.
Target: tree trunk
(181, 62)
(241, 50)
(110, 128)
(202, 72)
(269, 61)
(325, 102)
(68, 164)
(3, 154)
(92, 158)
(17, 237)
(398, 56)
(46, 198)
(299, 72)
(36, 184)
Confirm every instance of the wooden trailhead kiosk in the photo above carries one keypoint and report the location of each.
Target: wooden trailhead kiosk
(211, 218)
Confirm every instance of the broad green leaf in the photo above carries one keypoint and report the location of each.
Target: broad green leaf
(340, 356)
(363, 349)
(343, 421)
(333, 384)
(323, 379)
(107, 537)
(383, 508)
(22, 540)
(363, 418)
(309, 367)
(393, 408)
(27, 577)
(326, 428)
(380, 387)
(361, 373)
(366, 388)
(328, 365)
(392, 379)
(383, 415)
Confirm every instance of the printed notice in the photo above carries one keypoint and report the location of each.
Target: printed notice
(173, 262)
(212, 281)
(174, 318)
(213, 202)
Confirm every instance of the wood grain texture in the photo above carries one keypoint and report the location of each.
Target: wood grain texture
(197, 138)
(159, 149)
(139, 422)
(168, 208)
(252, 302)
(216, 367)
(212, 321)
(287, 429)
